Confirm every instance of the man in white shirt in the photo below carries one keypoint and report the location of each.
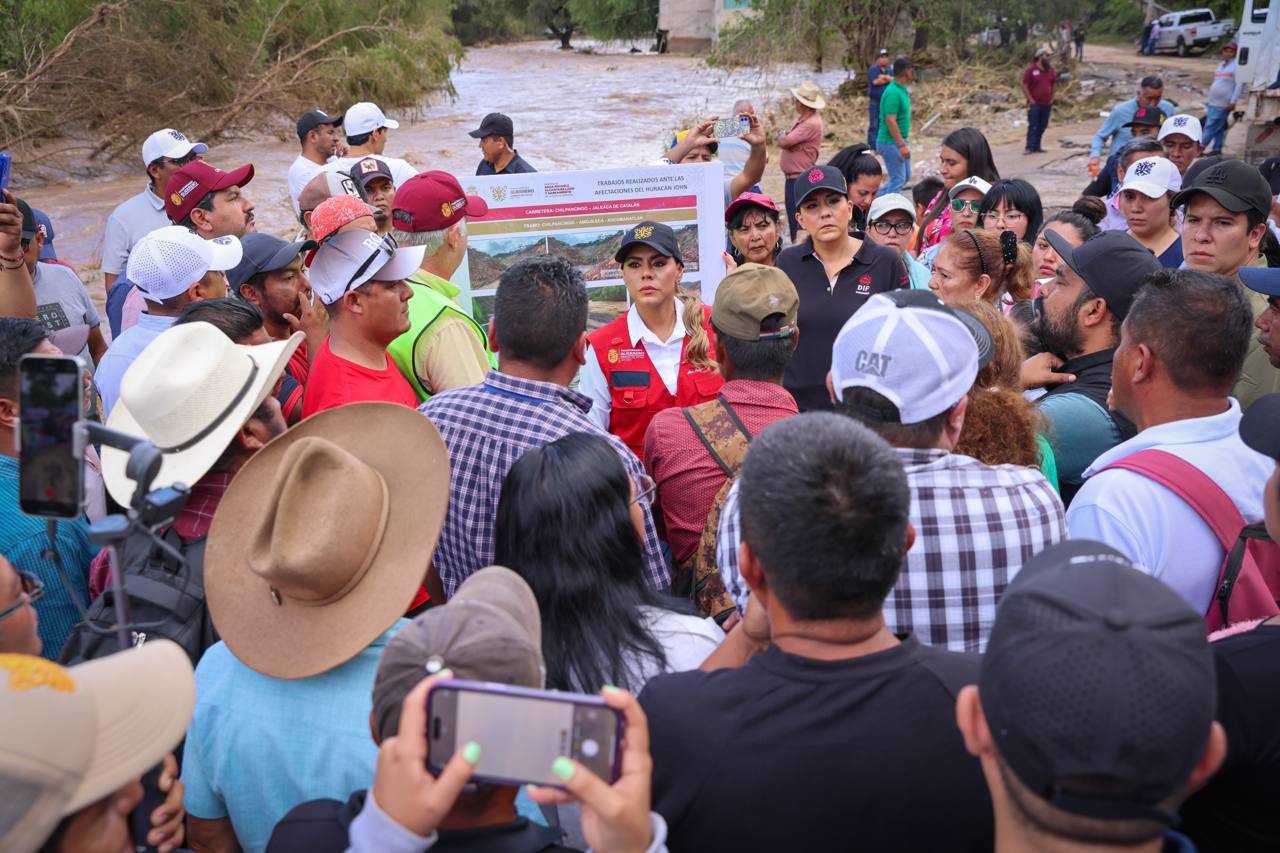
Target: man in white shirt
(318, 135)
(1182, 347)
(163, 153)
(366, 128)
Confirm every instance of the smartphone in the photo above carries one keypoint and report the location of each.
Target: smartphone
(726, 127)
(521, 731)
(6, 160)
(50, 464)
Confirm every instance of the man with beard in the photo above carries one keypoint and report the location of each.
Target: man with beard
(1078, 323)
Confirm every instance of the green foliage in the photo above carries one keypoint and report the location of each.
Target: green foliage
(479, 21)
(616, 19)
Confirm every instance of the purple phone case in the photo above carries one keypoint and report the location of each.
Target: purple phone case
(459, 684)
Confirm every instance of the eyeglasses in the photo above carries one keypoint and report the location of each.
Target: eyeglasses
(959, 204)
(32, 591)
(882, 227)
(190, 157)
(645, 487)
(1008, 217)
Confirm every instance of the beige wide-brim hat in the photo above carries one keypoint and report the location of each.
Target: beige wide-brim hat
(72, 736)
(810, 95)
(189, 392)
(324, 536)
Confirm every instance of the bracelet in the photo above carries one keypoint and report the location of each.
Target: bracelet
(17, 259)
(16, 266)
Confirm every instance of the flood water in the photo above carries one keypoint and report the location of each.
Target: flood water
(571, 111)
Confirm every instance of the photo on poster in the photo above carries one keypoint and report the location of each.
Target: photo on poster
(605, 304)
(687, 240)
(489, 257)
(591, 252)
(482, 307)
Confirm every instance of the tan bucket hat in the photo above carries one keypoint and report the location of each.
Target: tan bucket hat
(73, 736)
(810, 95)
(324, 536)
(188, 393)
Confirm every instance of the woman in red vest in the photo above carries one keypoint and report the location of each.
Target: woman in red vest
(659, 353)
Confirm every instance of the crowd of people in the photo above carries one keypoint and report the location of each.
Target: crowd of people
(949, 522)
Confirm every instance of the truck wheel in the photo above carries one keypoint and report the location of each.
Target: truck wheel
(1182, 47)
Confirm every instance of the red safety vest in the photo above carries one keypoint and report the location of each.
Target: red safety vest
(635, 388)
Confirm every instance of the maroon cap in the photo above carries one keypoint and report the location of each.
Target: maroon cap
(432, 201)
(196, 180)
(752, 199)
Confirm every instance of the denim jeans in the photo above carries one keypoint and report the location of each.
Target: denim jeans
(1215, 129)
(899, 168)
(1037, 121)
(789, 197)
(873, 123)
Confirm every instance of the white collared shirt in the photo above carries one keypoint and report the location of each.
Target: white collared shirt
(1155, 528)
(665, 356)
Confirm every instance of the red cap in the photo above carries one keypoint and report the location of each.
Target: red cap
(196, 180)
(752, 199)
(335, 212)
(432, 201)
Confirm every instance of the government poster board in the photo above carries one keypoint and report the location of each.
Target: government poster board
(581, 216)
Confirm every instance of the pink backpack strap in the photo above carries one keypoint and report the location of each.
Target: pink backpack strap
(1191, 484)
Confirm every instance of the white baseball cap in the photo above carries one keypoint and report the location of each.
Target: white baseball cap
(73, 736)
(909, 347)
(1152, 176)
(348, 260)
(404, 263)
(1188, 126)
(169, 143)
(891, 201)
(365, 117)
(169, 260)
(973, 182)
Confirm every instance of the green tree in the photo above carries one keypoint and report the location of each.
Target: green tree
(616, 19)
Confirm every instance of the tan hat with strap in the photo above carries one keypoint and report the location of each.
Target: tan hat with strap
(810, 95)
(324, 537)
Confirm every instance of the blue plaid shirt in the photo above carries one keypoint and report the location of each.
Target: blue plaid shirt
(486, 428)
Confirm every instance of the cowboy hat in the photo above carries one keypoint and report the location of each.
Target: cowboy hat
(324, 536)
(810, 95)
(188, 393)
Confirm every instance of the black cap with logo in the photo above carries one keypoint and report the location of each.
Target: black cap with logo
(823, 177)
(1097, 684)
(1258, 426)
(1112, 264)
(1146, 117)
(1235, 185)
(655, 235)
(370, 169)
(494, 124)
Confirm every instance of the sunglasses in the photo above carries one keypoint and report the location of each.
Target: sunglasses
(883, 227)
(645, 488)
(32, 591)
(385, 247)
(959, 204)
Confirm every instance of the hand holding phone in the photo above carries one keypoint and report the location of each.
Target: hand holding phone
(727, 127)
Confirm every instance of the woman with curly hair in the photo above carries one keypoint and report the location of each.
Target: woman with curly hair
(1001, 427)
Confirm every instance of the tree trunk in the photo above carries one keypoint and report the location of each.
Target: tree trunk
(564, 36)
(920, 42)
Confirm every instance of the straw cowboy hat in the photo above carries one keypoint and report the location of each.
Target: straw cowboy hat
(810, 95)
(324, 536)
(188, 393)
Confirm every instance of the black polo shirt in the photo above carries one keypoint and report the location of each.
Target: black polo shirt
(517, 166)
(824, 308)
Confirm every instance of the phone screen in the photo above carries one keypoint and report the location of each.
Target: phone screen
(521, 735)
(51, 402)
(6, 161)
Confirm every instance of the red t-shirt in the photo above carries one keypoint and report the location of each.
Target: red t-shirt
(335, 381)
(1039, 82)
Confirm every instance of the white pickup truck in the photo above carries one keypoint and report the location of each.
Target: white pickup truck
(1192, 29)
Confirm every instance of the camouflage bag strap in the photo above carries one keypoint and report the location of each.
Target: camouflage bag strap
(726, 438)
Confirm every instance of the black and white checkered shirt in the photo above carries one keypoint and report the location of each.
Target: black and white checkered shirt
(976, 524)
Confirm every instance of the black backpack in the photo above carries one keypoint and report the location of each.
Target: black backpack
(165, 601)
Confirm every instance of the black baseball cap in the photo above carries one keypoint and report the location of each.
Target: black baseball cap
(1147, 117)
(825, 177)
(1270, 170)
(1112, 264)
(264, 253)
(1258, 427)
(28, 219)
(1097, 684)
(368, 169)
(1235, 185)
(494, 124)
(655, 235)
(312, 119)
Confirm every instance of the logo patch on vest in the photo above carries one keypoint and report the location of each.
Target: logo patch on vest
(876, 363)
(613, 356)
